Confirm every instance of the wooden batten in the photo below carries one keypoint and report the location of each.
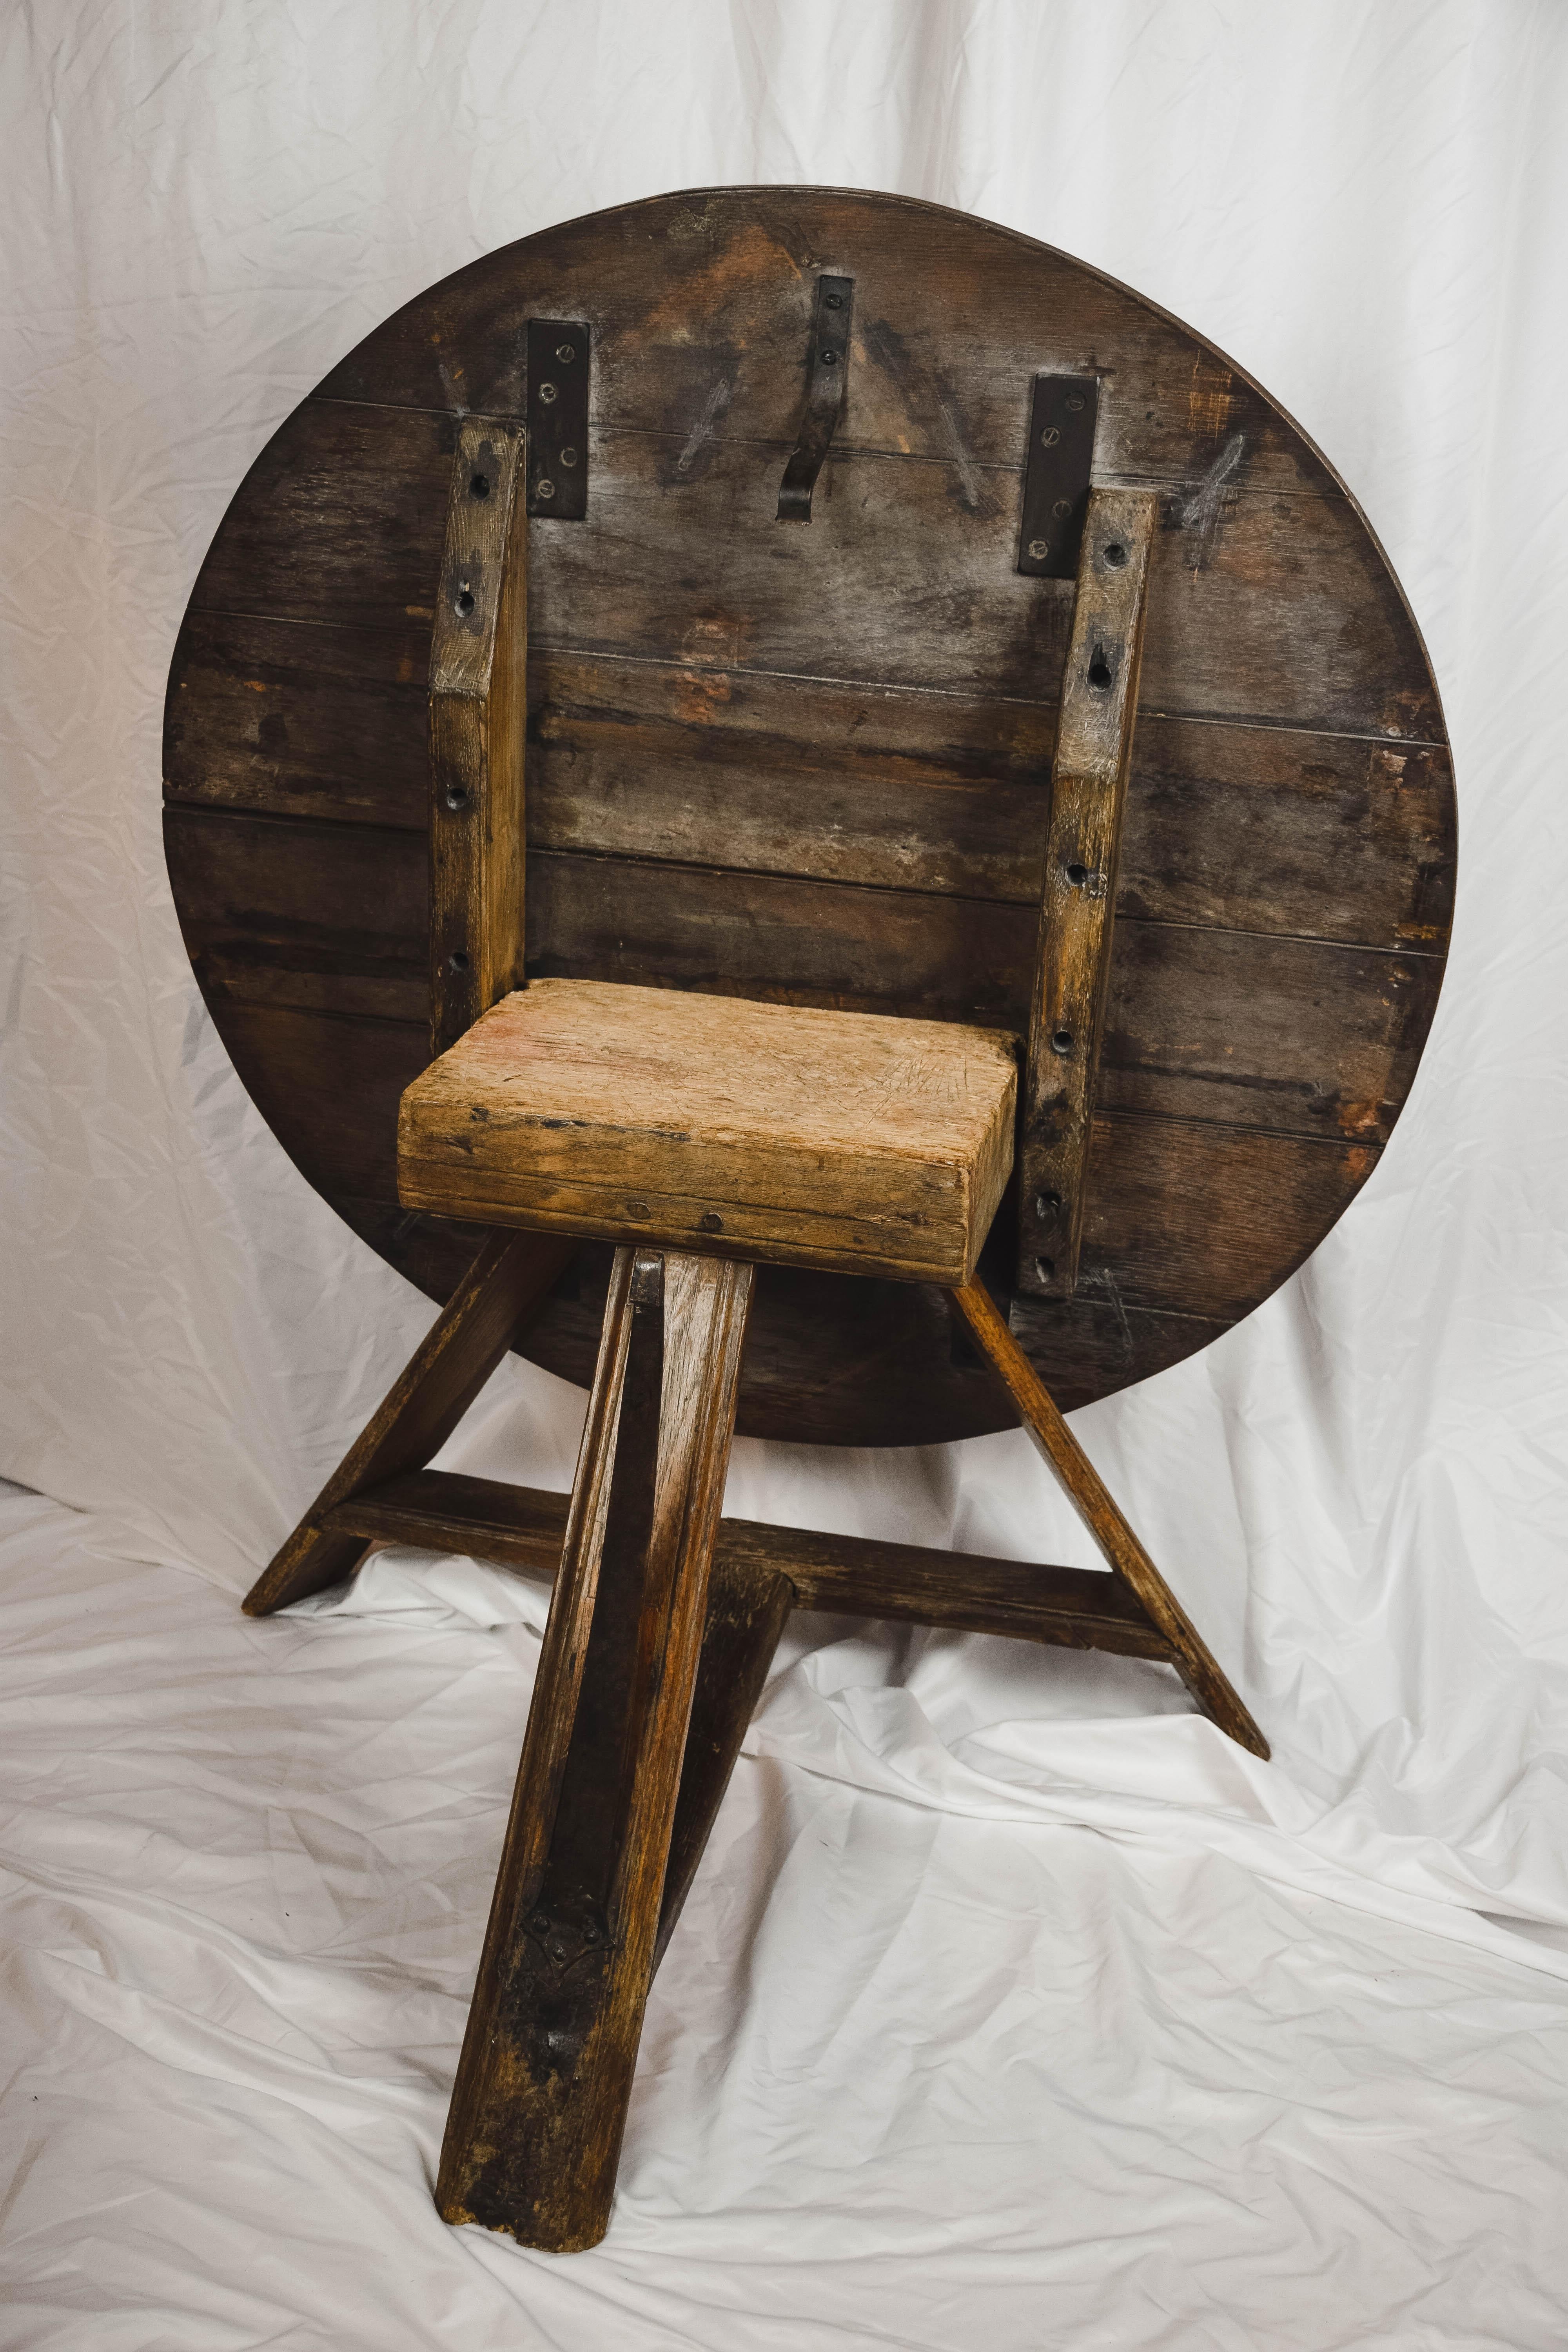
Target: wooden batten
(1072, 971)
(479, 665)
(540, 2097)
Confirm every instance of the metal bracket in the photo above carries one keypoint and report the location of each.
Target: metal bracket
(1056, 475)
(826, 379)
(558, 366)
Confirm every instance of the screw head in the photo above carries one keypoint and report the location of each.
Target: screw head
(1050, 436)
(547, 394)
(1040, 549)
(836, 301)
(565, 353)
(569, 458)
(546, 489)
(1075, 401)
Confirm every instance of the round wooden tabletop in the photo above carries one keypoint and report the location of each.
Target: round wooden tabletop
(813, 765)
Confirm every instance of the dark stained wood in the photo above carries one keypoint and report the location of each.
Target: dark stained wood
(1090, 1496)
(880, 1359)
(1243, 828)
(534, 2131)
(1274, 607)
(505, 1283)
(749, 1604)
(1083, 856)
(1300, 1036)
(700, 305)
(726, 721)
(479, 661)
(851, 1575)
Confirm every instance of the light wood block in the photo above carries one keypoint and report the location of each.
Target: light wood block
(844, 1141)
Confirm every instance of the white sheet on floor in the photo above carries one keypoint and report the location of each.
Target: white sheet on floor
(1013, 2007)
(922, 2069)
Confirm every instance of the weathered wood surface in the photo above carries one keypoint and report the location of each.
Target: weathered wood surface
(506, 1283)
(1248, 828)
(478, 662)
(813, 767)
(1083, 859)
(850, 1576)
(539, 2106)
(1286, 614)
(699, 304)
(1090, 1496)
(796, 1135)
(1239, 1027)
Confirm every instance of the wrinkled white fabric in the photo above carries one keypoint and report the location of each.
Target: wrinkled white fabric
(1013, 2006)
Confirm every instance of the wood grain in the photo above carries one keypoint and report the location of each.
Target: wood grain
(699, 304)
(719, 731)
(1094, 1503)
(478, 660)
(506, 1283)
(852, 1576)
(1246, 828)
(1083, 856)
(805, 1138)
(1261, 608)
(534, 2131)
(1301, 1037)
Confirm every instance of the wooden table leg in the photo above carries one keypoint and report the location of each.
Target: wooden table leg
(534, 2132)
(504, 1288)
(1096, 1508)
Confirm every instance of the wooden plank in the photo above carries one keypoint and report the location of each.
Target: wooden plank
(1291, 1034)
(851, 1575)
(479, 661)
(534, 2131)
(1083, 853)
(1244, 828)
(330, 1090)
(800, 1136)
(508, 1278)
(1261, 608)
(1200, 1219)
(293, 720)
(700, 305)
(1090, 1496)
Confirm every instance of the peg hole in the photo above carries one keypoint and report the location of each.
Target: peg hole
(1044, 1268)
(457, 961)
(1047, 1207)
(1115, 554)
(464, 599)
(1078, 876)
(1098, 669)
(1061, 1041)
(480, 486)
(711, 1224)
(457, 797)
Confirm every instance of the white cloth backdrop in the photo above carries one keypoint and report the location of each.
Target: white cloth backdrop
(1013, 2007)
